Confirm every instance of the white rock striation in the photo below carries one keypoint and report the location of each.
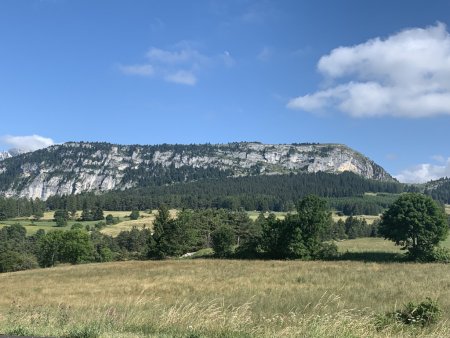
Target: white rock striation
(76, 167)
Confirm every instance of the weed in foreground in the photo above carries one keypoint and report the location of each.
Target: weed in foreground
(422, 314)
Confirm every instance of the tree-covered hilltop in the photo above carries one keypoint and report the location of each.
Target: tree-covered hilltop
(74, 168)
(439, 190)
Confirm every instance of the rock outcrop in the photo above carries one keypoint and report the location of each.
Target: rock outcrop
(77, 167)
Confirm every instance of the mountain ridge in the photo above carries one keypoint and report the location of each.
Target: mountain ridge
(76, 167)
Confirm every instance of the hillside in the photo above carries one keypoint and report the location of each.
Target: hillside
(78, 167)
(438, 189)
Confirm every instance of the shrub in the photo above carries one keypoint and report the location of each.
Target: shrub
(441, 255)
(422, 314)
(134, 215)
(327, 251)
(110, 219)
(14, 261)
(76, 226)
(100, 225)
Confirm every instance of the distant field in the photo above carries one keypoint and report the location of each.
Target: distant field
(33, 227)
(219, 298)
(143, 222)
(368, 244)
(46, 223)
(254, 214)
(369, 218)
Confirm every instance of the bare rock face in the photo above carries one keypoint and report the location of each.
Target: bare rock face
(77, 167)
(4, 155)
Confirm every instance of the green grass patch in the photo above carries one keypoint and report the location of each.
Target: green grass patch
(33, 227)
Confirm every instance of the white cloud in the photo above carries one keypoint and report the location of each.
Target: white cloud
(182, 77)
(180, 64)
(27, 143)
(404, 75)
(424, 172)
(142, 70)
(186, 55)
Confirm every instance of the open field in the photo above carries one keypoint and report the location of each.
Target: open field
(368, 244)
(369, 218)
(219, 298)
(46, 223)
(143, 222)
(254, 214)
(33, 227)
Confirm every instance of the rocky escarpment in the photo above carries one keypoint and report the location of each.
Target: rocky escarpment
(77, 167)
(4, 155)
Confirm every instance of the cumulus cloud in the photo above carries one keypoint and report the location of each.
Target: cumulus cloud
(27, 143)
(425, 172)
(179, 64)
(405, 75)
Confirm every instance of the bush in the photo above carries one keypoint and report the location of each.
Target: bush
(110, 219)
(134, 215)
(14, 261)
(327, 251)
(422, 314)
(100, 225)
(441, 255)
(76, 226)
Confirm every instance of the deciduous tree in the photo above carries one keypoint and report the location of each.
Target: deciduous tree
(415, 222)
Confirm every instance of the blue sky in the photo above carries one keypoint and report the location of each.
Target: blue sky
(374, 75)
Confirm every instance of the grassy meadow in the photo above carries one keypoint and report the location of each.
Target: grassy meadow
(198, 297)
(224, 298)
(46, 223)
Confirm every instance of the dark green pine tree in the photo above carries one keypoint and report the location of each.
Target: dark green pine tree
(161, 221)
(97, 215)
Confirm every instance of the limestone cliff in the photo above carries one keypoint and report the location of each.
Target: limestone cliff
(77, 167)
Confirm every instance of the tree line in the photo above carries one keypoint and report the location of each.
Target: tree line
(414, 221)
(300, 235)
(345, 192)
(262, 193)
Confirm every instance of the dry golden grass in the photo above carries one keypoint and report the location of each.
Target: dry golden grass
(145, 221)
(219, 298)
(141, 223)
